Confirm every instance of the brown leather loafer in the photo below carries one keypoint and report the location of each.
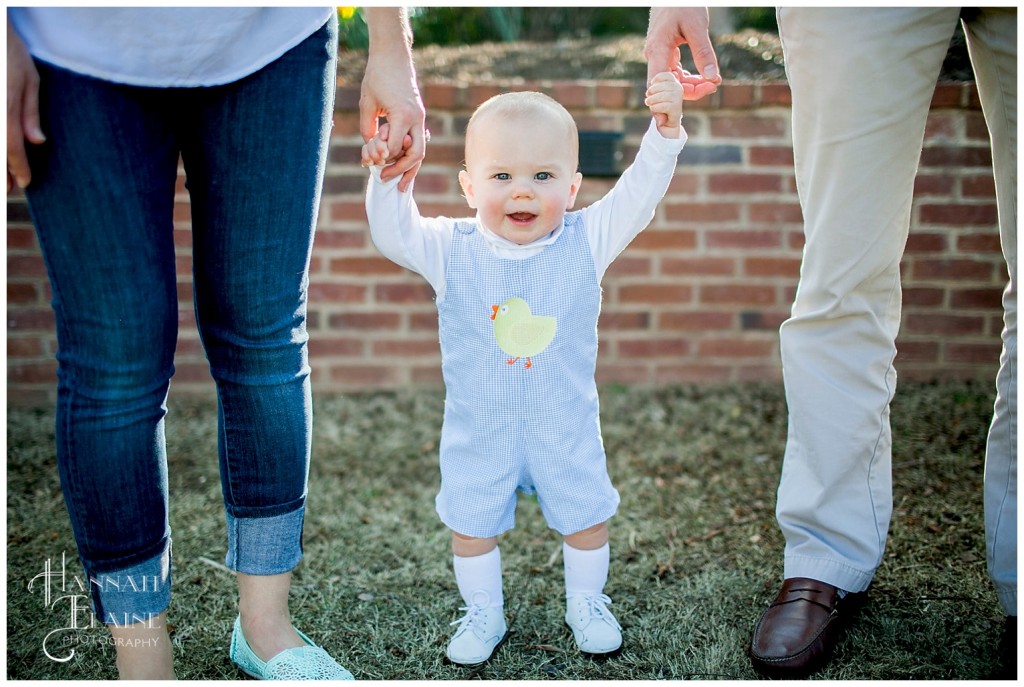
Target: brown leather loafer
(796, 634)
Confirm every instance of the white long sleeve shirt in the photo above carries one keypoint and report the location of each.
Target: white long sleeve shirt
(422, 244)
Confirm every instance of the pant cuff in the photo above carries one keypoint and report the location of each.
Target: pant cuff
(828, 571)
(265, 546)
(135, 594)
(1008, 600)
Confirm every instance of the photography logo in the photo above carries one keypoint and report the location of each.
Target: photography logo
(66, 596)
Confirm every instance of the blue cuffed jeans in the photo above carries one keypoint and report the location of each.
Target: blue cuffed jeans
(102, 199)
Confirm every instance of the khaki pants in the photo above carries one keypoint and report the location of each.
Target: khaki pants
(862, 80)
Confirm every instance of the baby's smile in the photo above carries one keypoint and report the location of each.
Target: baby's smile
(521, 217)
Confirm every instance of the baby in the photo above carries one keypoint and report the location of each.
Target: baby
(518, 297)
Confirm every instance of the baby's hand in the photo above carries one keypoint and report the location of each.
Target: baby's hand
(375, 151)
(665, 98)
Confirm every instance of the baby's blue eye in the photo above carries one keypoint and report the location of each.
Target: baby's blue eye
(542, 176)
(502, 176)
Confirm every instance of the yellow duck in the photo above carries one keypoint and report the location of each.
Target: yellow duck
(519, 332)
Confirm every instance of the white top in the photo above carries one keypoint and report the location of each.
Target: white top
(165, 46)
(422, 244)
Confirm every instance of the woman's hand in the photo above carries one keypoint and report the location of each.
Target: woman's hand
(389, 90)
(22, 110)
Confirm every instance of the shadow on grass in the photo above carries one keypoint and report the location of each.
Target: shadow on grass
(696, 553)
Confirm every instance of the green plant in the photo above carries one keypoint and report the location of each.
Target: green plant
(352, 30)
(469, 25)
(757, 18)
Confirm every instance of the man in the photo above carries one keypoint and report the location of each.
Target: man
(862, 81)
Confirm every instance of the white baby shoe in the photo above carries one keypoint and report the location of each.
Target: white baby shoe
(479, 633)
(593, 626)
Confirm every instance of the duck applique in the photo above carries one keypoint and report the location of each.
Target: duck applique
(519, 332)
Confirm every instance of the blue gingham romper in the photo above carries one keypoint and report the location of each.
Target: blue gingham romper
(506, 426)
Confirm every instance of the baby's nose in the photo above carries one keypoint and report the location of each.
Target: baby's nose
(522, 190)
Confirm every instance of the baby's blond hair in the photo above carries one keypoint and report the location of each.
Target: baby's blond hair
(523, 104)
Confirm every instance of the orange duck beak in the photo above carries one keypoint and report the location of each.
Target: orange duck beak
(494, 311)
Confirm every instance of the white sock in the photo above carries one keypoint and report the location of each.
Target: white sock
(479, 579)
(586, 572)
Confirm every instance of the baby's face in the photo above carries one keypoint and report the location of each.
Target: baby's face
(521, 174)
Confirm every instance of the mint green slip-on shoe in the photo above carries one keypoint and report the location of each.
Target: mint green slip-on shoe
(301, 663)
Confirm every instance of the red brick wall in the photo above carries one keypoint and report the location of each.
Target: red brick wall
(698, 297)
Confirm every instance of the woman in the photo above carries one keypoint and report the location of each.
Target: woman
(245, 97)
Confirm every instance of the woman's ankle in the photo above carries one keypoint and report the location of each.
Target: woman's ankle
(265, 618)
(143, 650)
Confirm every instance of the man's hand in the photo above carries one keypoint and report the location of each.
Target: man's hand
(22, 110)
(389, 90)
(670, 27)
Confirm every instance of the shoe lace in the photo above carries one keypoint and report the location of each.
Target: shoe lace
(597, 606)
(474, 619)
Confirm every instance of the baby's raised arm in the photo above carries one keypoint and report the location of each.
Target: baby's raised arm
(665, 98)
(399, 232)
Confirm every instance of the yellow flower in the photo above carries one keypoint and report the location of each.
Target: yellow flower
(347, 13)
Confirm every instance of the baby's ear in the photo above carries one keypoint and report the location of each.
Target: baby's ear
(577, 181)
(467, 188)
